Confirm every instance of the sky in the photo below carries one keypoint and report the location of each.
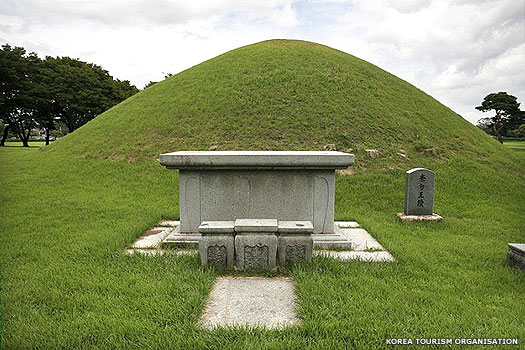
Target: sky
(457, 51)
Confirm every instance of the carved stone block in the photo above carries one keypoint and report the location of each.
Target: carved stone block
(256, 257)
(217, 250)
(217, 255)
(256, 252)
(295, 248)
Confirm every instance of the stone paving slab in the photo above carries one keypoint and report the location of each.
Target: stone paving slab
(183, 240)
(348, 236)
(324, 241)
(361, 239)
(158, 252)
(433, 217)
(177, 239)
(333, 240)
(152, 238)
(169, 223)
(347, 224)
(382, 256)
(250, 301)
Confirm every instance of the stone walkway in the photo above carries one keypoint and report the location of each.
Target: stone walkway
(349, 242)
(250, 301)
(152, 238)
(257, 301)
(363, 246)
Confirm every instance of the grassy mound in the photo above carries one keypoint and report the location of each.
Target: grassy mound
(278, 95)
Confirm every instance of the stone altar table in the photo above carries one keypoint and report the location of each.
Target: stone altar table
(282, 185)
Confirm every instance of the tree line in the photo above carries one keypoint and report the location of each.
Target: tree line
(41, 93)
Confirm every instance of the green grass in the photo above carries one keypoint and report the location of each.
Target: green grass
(517, 145)
(67, 284)
(68, 212)
(19, 144)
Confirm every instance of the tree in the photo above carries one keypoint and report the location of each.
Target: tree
(507, 112)
(5, 133)
(485, 124)
(18, 73)
(80, 91)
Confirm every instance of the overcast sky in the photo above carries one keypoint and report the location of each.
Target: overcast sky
(457, 51)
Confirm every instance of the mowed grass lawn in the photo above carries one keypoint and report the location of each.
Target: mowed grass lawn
(65, 282)
(32, 144)
(518, 145)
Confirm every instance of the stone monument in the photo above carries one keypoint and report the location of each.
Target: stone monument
(419, 196)
(282, 185)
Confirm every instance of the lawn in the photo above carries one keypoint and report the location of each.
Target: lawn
(31, 144)
(66, 284)
(517, 145)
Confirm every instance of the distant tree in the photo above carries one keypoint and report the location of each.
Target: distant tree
(150, 84)
(166, 75)
(518, 132)
(507, 111)
(79, 91)
(485, 124)
(18, 73)
(516, 122)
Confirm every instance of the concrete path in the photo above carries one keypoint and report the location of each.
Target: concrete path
(250, 301)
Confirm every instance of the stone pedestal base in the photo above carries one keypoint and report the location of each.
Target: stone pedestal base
(256, 252)
(516, 255)
(294, 249)
(217, 250)
(433, 217)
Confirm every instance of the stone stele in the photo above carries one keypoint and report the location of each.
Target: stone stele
(419, 192)
(230, 185)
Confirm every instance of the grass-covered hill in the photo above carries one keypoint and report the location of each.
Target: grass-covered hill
(278, 95)
(68, 212)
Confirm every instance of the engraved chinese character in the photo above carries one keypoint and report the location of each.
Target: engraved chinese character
(420, 202)
(421, 195)
(421, 187)
(422, 178)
